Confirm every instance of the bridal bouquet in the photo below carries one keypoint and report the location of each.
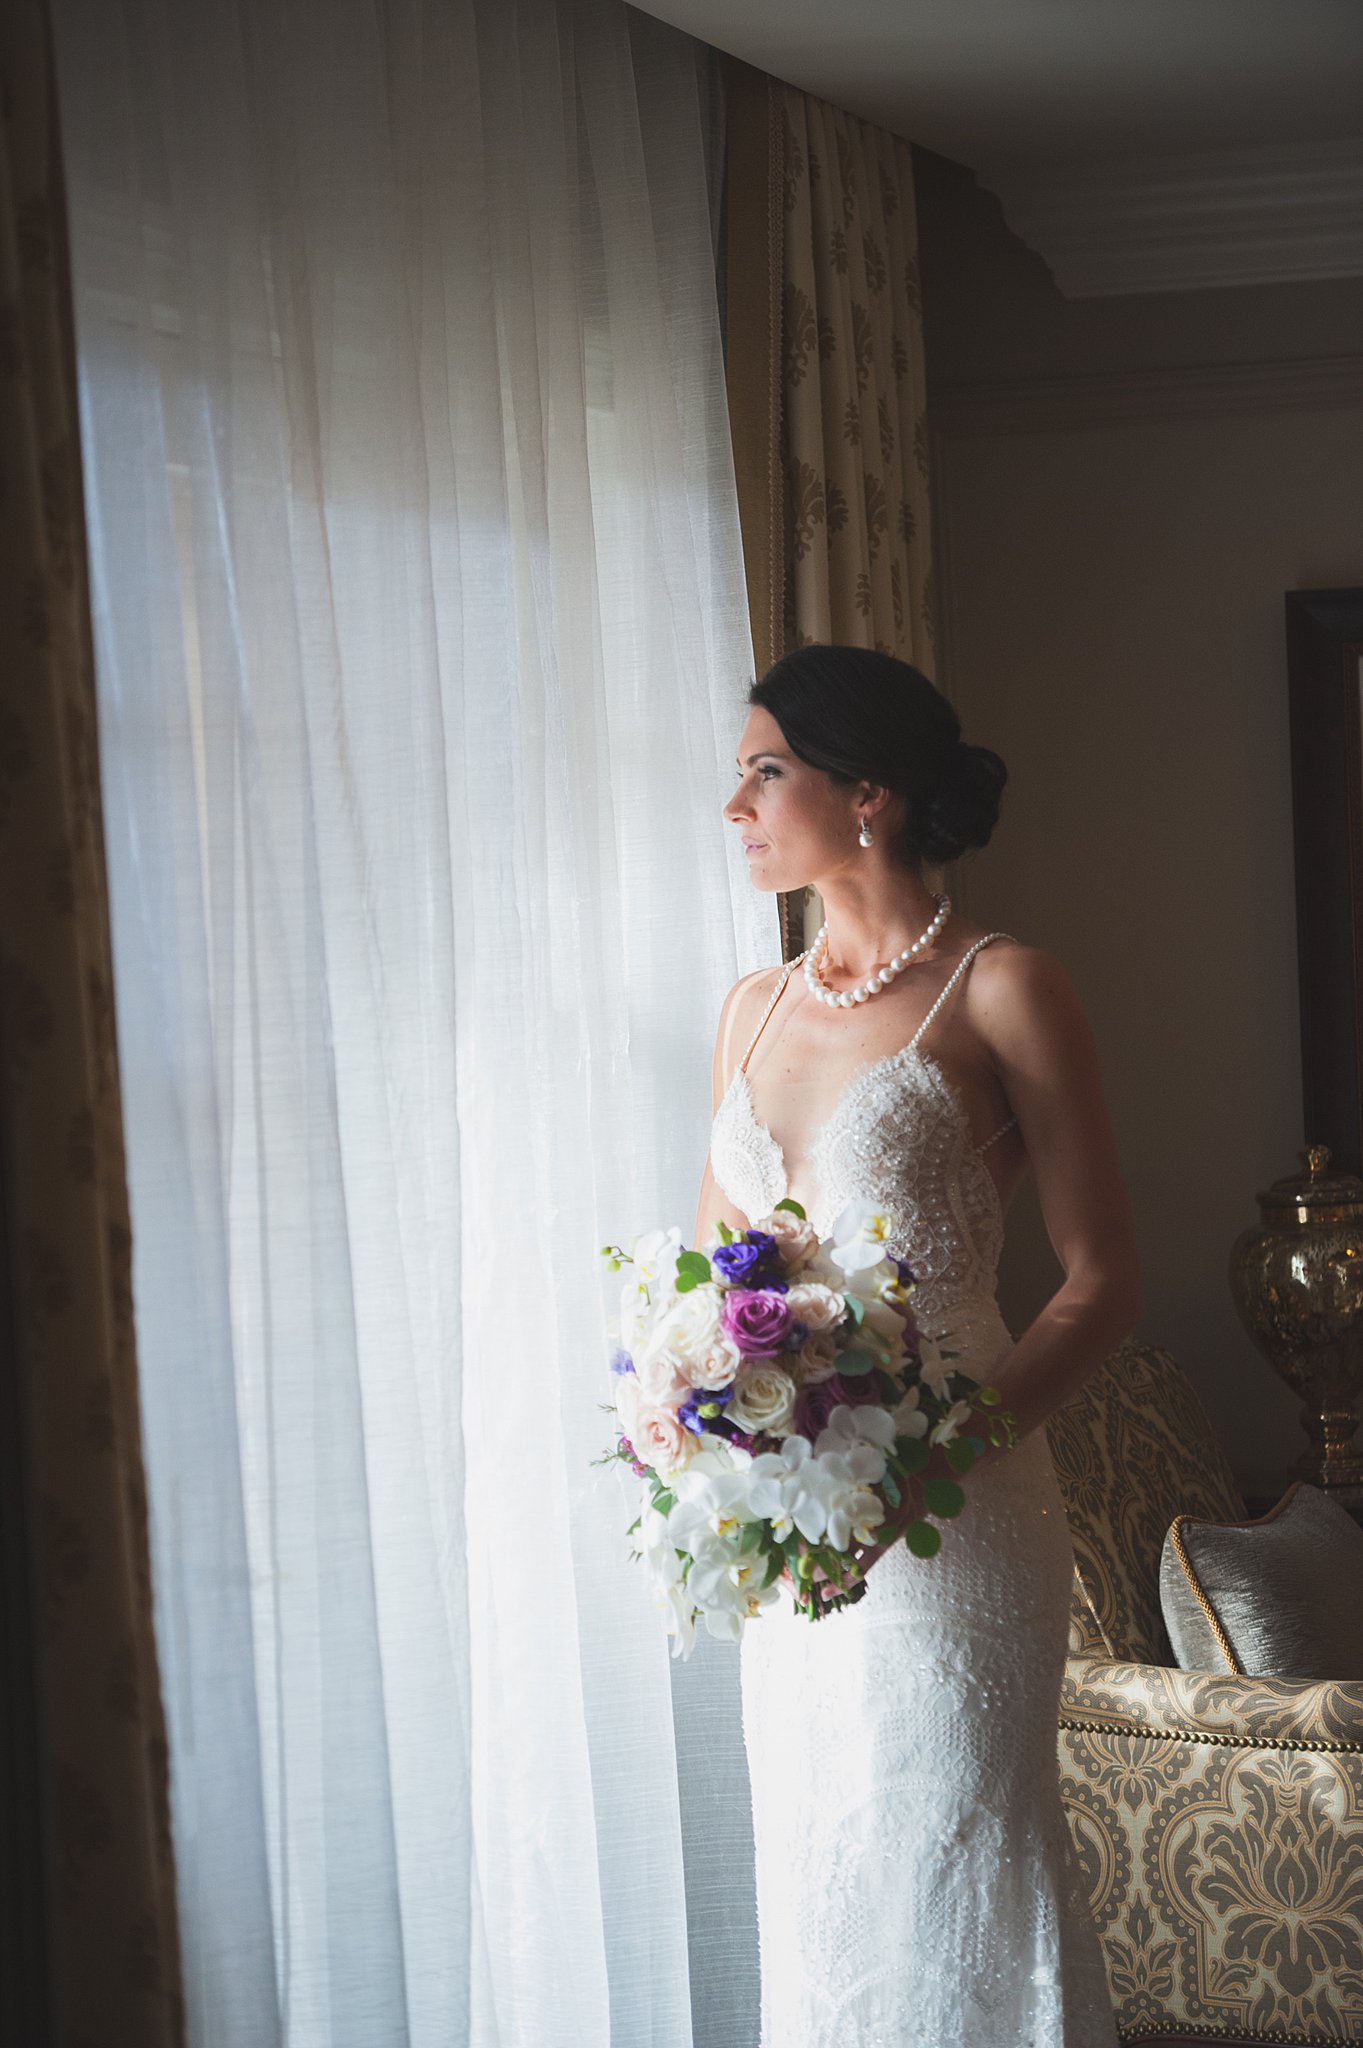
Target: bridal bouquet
(775, 1397)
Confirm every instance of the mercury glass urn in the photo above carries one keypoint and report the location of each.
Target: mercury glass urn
(1297, 1281)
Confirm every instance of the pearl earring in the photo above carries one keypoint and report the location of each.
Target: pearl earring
(864, 836)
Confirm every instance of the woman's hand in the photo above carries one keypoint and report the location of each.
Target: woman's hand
(827, 1592)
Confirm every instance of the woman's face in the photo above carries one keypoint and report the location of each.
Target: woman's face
(796, 824)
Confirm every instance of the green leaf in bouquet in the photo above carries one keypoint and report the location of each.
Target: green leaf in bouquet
(854, 1365)
(962, 1452)
(912, 1451)
(751, 1539)
(776, 1564)
(892, 1493)
(943, 1498)
(794, 1208)
(694, 1264)
(923, 1540)
(855, 1308)
(890, 1389)
(664, 1502)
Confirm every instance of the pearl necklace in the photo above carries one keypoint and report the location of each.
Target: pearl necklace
(843, 999)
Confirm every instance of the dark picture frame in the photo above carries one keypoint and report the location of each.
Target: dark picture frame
(1325, 679)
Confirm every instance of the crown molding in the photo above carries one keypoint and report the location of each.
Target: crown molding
(1029, 405)
(1278, 214)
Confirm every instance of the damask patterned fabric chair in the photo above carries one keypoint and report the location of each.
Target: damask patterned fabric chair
(1219, 1820)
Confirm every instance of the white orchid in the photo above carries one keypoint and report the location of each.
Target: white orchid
(860, 1236)
(726, 1584)
(850, 1509)
(908, 1418)
(850, 1429)
(712, 1500)
(774, 1484)
(953, 1421)
(665, 1576)
(934, 1368)
(651, 1279)
(823, 1493)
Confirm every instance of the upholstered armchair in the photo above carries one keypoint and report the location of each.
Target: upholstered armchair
(1218, 1819)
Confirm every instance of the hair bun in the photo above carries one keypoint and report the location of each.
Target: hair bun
(961, 810)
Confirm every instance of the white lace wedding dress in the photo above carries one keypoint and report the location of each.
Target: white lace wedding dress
(915, 1883)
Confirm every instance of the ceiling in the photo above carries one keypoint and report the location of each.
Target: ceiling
(997, 83)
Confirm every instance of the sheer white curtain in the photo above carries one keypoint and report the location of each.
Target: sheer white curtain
(421, 644)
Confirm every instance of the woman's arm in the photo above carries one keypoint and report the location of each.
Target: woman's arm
(742, 1007)
(1029, 1016)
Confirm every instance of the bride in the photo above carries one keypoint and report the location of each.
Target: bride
(915, 1883)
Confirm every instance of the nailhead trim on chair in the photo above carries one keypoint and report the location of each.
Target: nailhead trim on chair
(1234, 2034)
(1181, 1734)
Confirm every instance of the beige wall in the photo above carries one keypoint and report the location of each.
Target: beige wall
(1120, 510)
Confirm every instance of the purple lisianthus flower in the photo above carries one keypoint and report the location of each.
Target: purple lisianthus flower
(620, 1360)
(904, 1270)
(796, 1334)
(689, 1415)
(750, 1259)
(757, 1319)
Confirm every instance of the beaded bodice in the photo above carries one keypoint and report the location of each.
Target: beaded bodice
(898, 1136)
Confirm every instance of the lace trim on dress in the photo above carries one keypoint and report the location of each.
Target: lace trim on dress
(898, 1135)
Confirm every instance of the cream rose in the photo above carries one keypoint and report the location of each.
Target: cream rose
(795, 1239)
(660, 1440)
(716, 1365)
(691, 1323)
(763, 1398)
(816, 1359)
(663, 1375)
(816, 1306)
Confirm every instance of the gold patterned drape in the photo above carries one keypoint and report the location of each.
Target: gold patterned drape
(826, 389)
(116, 1939)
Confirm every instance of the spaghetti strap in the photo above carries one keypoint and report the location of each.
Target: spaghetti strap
(790, 966)
(957, 972)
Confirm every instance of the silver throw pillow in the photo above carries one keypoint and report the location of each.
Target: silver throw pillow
(1278, 1598)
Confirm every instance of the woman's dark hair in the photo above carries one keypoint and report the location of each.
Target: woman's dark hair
(866, 717)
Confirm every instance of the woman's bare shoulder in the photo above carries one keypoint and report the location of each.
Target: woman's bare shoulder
(740, 1013)
(1015, 990)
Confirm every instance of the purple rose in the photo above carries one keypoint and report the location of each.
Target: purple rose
(861, 1390)
(815, 1404)
(757, 1319)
